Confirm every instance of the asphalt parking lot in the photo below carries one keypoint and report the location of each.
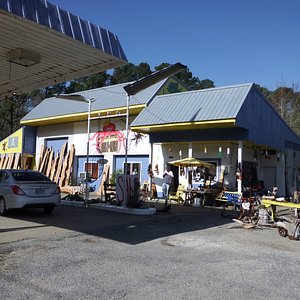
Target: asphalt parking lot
(188, 253)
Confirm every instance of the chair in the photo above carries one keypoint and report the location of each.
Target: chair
(179, 195)
(110, 193)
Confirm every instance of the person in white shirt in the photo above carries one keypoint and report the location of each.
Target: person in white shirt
(167, 180)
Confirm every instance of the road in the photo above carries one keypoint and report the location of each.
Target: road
(189, 253)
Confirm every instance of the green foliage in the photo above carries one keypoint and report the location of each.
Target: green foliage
(130, 72)
(187, 78)
(112, 179)
(11, 111)
(87, 83)
(204, 84)
(142, 70)
(286, 100)
(264, 91)
(124, 74)
(14, 108)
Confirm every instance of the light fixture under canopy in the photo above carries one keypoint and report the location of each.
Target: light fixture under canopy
(23, 57)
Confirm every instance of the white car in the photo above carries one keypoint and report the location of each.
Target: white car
(27, 188)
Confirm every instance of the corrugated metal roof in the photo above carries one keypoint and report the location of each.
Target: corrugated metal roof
(115, 96)
(69, 47)
(106, 98)
(201, 105)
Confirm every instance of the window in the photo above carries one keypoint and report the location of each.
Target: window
(133, 168)
(110, 144)
(93, 169)
(29, 176)
(56, 143)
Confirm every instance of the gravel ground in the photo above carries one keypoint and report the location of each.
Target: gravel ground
(181, 255)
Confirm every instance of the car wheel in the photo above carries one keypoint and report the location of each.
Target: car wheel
(48, 210)
(2, 207)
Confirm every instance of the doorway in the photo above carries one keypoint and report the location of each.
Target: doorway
(269, 177)
(175, 182)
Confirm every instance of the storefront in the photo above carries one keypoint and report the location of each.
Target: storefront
(59, 122)
(234, 128)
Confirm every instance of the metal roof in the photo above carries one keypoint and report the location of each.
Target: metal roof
(201, 105)
(66, 46)
(115, 96)
(106, 98)
(232, 112)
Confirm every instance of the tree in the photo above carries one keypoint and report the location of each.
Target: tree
(12, 110)
(130, 72)
(142, 70)
(286, 100)
(87, 83)
(263, 90)
(186, 76)
(202, 84)
(124, 74)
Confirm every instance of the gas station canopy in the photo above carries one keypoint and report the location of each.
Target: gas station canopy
(42, 45)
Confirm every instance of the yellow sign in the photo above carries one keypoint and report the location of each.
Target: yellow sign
(13, 143)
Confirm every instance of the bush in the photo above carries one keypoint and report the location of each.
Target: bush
(112, 179)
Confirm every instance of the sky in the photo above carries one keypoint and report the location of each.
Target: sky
(227, 41)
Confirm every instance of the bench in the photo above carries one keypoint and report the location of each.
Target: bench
(231, 198)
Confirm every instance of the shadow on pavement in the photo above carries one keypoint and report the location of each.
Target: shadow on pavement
(130, 229)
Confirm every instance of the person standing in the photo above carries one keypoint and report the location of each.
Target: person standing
(167, 180)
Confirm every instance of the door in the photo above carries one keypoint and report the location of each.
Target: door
(269, 177)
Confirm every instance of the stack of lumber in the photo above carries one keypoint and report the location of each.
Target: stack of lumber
(11, 161)
(58, 167)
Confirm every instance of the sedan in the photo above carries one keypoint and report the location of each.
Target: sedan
(27, 188)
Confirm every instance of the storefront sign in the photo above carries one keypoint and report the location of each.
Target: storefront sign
(13, 143)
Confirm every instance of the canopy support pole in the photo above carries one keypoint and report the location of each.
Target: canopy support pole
(240, 166)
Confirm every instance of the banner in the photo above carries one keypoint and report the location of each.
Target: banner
(13, 143)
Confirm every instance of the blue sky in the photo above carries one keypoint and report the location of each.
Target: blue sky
(227, 41)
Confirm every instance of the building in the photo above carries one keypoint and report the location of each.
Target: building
(231, 127)
(59, 121)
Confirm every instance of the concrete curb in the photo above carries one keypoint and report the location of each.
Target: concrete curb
(108, 207)
(72, 203)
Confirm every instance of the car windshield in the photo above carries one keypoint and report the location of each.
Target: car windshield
(29, 176)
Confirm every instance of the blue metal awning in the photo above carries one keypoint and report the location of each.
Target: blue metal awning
(75, 47)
